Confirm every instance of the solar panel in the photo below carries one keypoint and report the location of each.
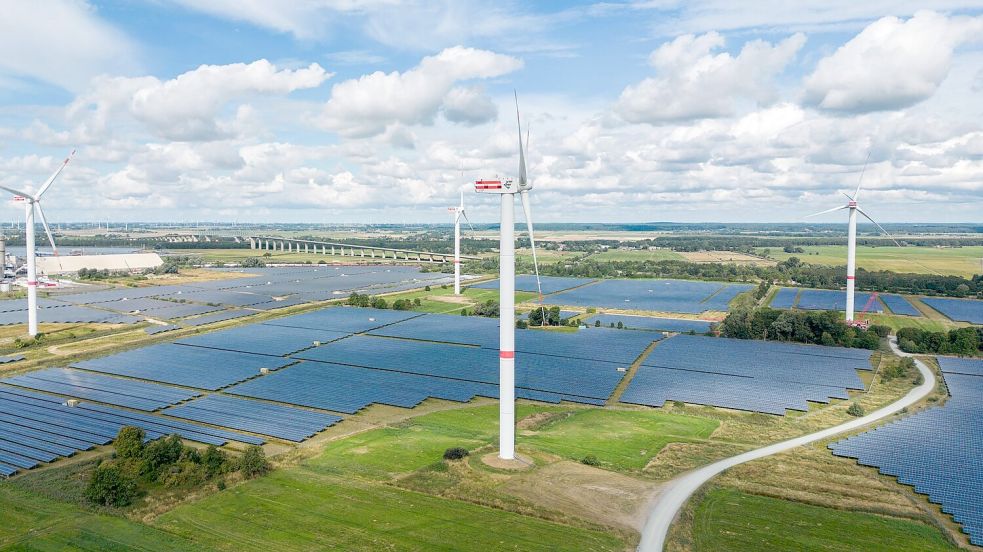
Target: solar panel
(197, 367)
(829, 299)
(527, 282)
(935, 450)
(964, 310)
(899, 305)
(263, 339)
(785, 298)
(86, 385)
(653, 295)
(284, 422)
(650, 323)
(344, 319)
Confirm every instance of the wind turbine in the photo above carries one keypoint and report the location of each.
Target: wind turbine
(458, 213)
(30, 201)
(851, 247)
(507, 189)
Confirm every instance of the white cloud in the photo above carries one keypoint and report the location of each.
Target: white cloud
(469, 106)
(189, 106)
(891, 64)
(367, 105)
(62, 42)
(694, 83)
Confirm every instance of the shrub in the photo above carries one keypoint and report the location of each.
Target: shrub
(220, 484)
(417, 302)
(253, 462)
(379, 303)
(455, 453)
(159, 454)
(358, 300)
(427, 288)
(251, 262)
(881, 331)
(129, 442)
(855, 410)
(110, 486)
(597, 323)
(919, 378)
(214, 461)
(184, 474)
(590, 460)
(521, 324)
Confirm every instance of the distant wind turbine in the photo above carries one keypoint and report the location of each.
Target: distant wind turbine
(458, 213)
(507, 189)
(30, 202)
(851, 247)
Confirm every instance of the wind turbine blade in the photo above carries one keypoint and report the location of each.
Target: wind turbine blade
(861, 179)
(16, 192)
(522, 153)
(465, 215)
(47, 229)
(886, 233)
(841, 207)
(527, 213)
(51, 179)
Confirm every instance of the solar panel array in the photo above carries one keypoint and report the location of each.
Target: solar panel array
(139, 395)
(527, 282)
(650, 323)
(937, 450)
(758, 376)
(830, 299)
(964, 310)
(284, 422)
(196, 367)
(684, 296)
(899, 305)
(785, 298)
(263, 339)
(38, 428)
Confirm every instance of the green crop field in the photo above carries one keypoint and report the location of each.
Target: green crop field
(31, 522)
(957, 261)
(726, 519)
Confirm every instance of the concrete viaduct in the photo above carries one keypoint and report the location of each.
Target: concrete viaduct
(271, 243)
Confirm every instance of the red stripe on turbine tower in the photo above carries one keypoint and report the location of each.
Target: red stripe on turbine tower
(851, 277)
(506, 354)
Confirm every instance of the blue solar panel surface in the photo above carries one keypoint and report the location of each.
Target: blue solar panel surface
(785, 298)
(650, 323)
(97, 387)
(653, 295)
(829, 299)
(899, 305)
(758, 376)
(344, 319)
(959, 365)
(284, 422)
(936, 450)
(197, 367)
(263, 339)
(964, 310)
(37, 427)
(216, 317)
(550, 284)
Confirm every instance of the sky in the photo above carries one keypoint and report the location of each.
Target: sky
(382, 111)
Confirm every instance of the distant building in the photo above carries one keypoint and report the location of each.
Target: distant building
(123, 262)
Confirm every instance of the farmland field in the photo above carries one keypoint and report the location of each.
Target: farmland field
(956, 261)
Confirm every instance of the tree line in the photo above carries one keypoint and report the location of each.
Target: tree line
(815, 327)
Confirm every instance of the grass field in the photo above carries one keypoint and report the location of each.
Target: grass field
(726, 519)
(30, 522)
(957, 261)
(301, 509)
(442, 300)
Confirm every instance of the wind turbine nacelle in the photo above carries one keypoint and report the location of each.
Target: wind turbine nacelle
(506, 186)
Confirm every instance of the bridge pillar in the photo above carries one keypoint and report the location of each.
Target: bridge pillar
(372, 252)
(332, 250)
(361, 253)
(252, 243)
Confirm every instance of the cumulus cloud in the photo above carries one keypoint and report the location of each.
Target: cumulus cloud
(695, 83)
(186, 107)
(891, 64)
(469, 106)
(62, 42)
(366, 106)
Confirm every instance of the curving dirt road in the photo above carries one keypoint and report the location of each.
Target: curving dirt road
(677, 491)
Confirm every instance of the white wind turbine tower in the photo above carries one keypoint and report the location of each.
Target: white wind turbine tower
(30, 202)
(507, 189)
(851, 247)
(458, 213)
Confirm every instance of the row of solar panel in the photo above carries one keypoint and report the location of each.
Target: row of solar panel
(935, 450)
(653, 295)
(964, 310)
(284, 422)
(823, 299)
(757, 376)
(649, 323)
(38, 428)
(135, 394)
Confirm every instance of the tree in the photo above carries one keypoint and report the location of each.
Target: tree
(855, 410)
(252, 262)
(214, 461)
(253, 462)
(455, 453)
(159, 454)
(110, 486)
(129, 442)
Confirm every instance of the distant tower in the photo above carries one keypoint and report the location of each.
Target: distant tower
(3, 255)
